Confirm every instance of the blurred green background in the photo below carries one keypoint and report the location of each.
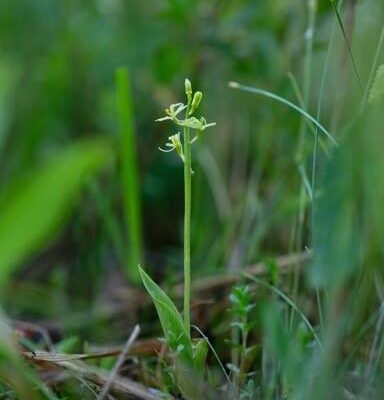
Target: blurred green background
(57, 86)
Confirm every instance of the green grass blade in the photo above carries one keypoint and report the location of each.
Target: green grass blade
(373, 68)
(313, 128)
(131, 192)
(202, 334)
(376, 94)
(13, 370)
(340, 22)
(280, 99)
(32, 210)
(200, 352)
(290, 303)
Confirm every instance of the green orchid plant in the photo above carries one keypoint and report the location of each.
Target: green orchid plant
(189, 354)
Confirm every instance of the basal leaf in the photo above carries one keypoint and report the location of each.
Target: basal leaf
(170, 319)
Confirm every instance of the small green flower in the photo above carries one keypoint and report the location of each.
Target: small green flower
(194, 123)
(174, 144)
(173, 111)
(204, 124)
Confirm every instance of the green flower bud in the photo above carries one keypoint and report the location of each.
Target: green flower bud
(188, 89)
(196, 102)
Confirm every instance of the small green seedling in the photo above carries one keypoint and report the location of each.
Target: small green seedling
(243, 355)
(189, 355)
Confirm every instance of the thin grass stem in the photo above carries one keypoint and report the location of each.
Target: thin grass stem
(349, 48)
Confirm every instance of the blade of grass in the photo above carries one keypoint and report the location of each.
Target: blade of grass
(311, 11)
(305, 180)
(314, 159)
(377, 347)
(214, 353)
(341, 24)
(131, 192)
(13, 371)
(283, 296)
(250, 89)
(373, 68)
(216, 183)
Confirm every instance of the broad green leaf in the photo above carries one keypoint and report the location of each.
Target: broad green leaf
(188, 377)
(170, 319)
(32, 210)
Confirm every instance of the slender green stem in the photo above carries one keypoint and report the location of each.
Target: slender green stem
(187, 225)
(314, 165)
(301, 148)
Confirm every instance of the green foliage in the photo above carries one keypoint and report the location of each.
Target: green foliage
(131, 193)
(13, 372)
(243, 354)
(376, 93)
(33, 208)
(189, 357)
(280, 344)
(174, 330)
(200, 352)
(349, 208)
(70, 344)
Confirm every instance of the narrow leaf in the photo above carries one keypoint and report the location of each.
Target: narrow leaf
(129, 175)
